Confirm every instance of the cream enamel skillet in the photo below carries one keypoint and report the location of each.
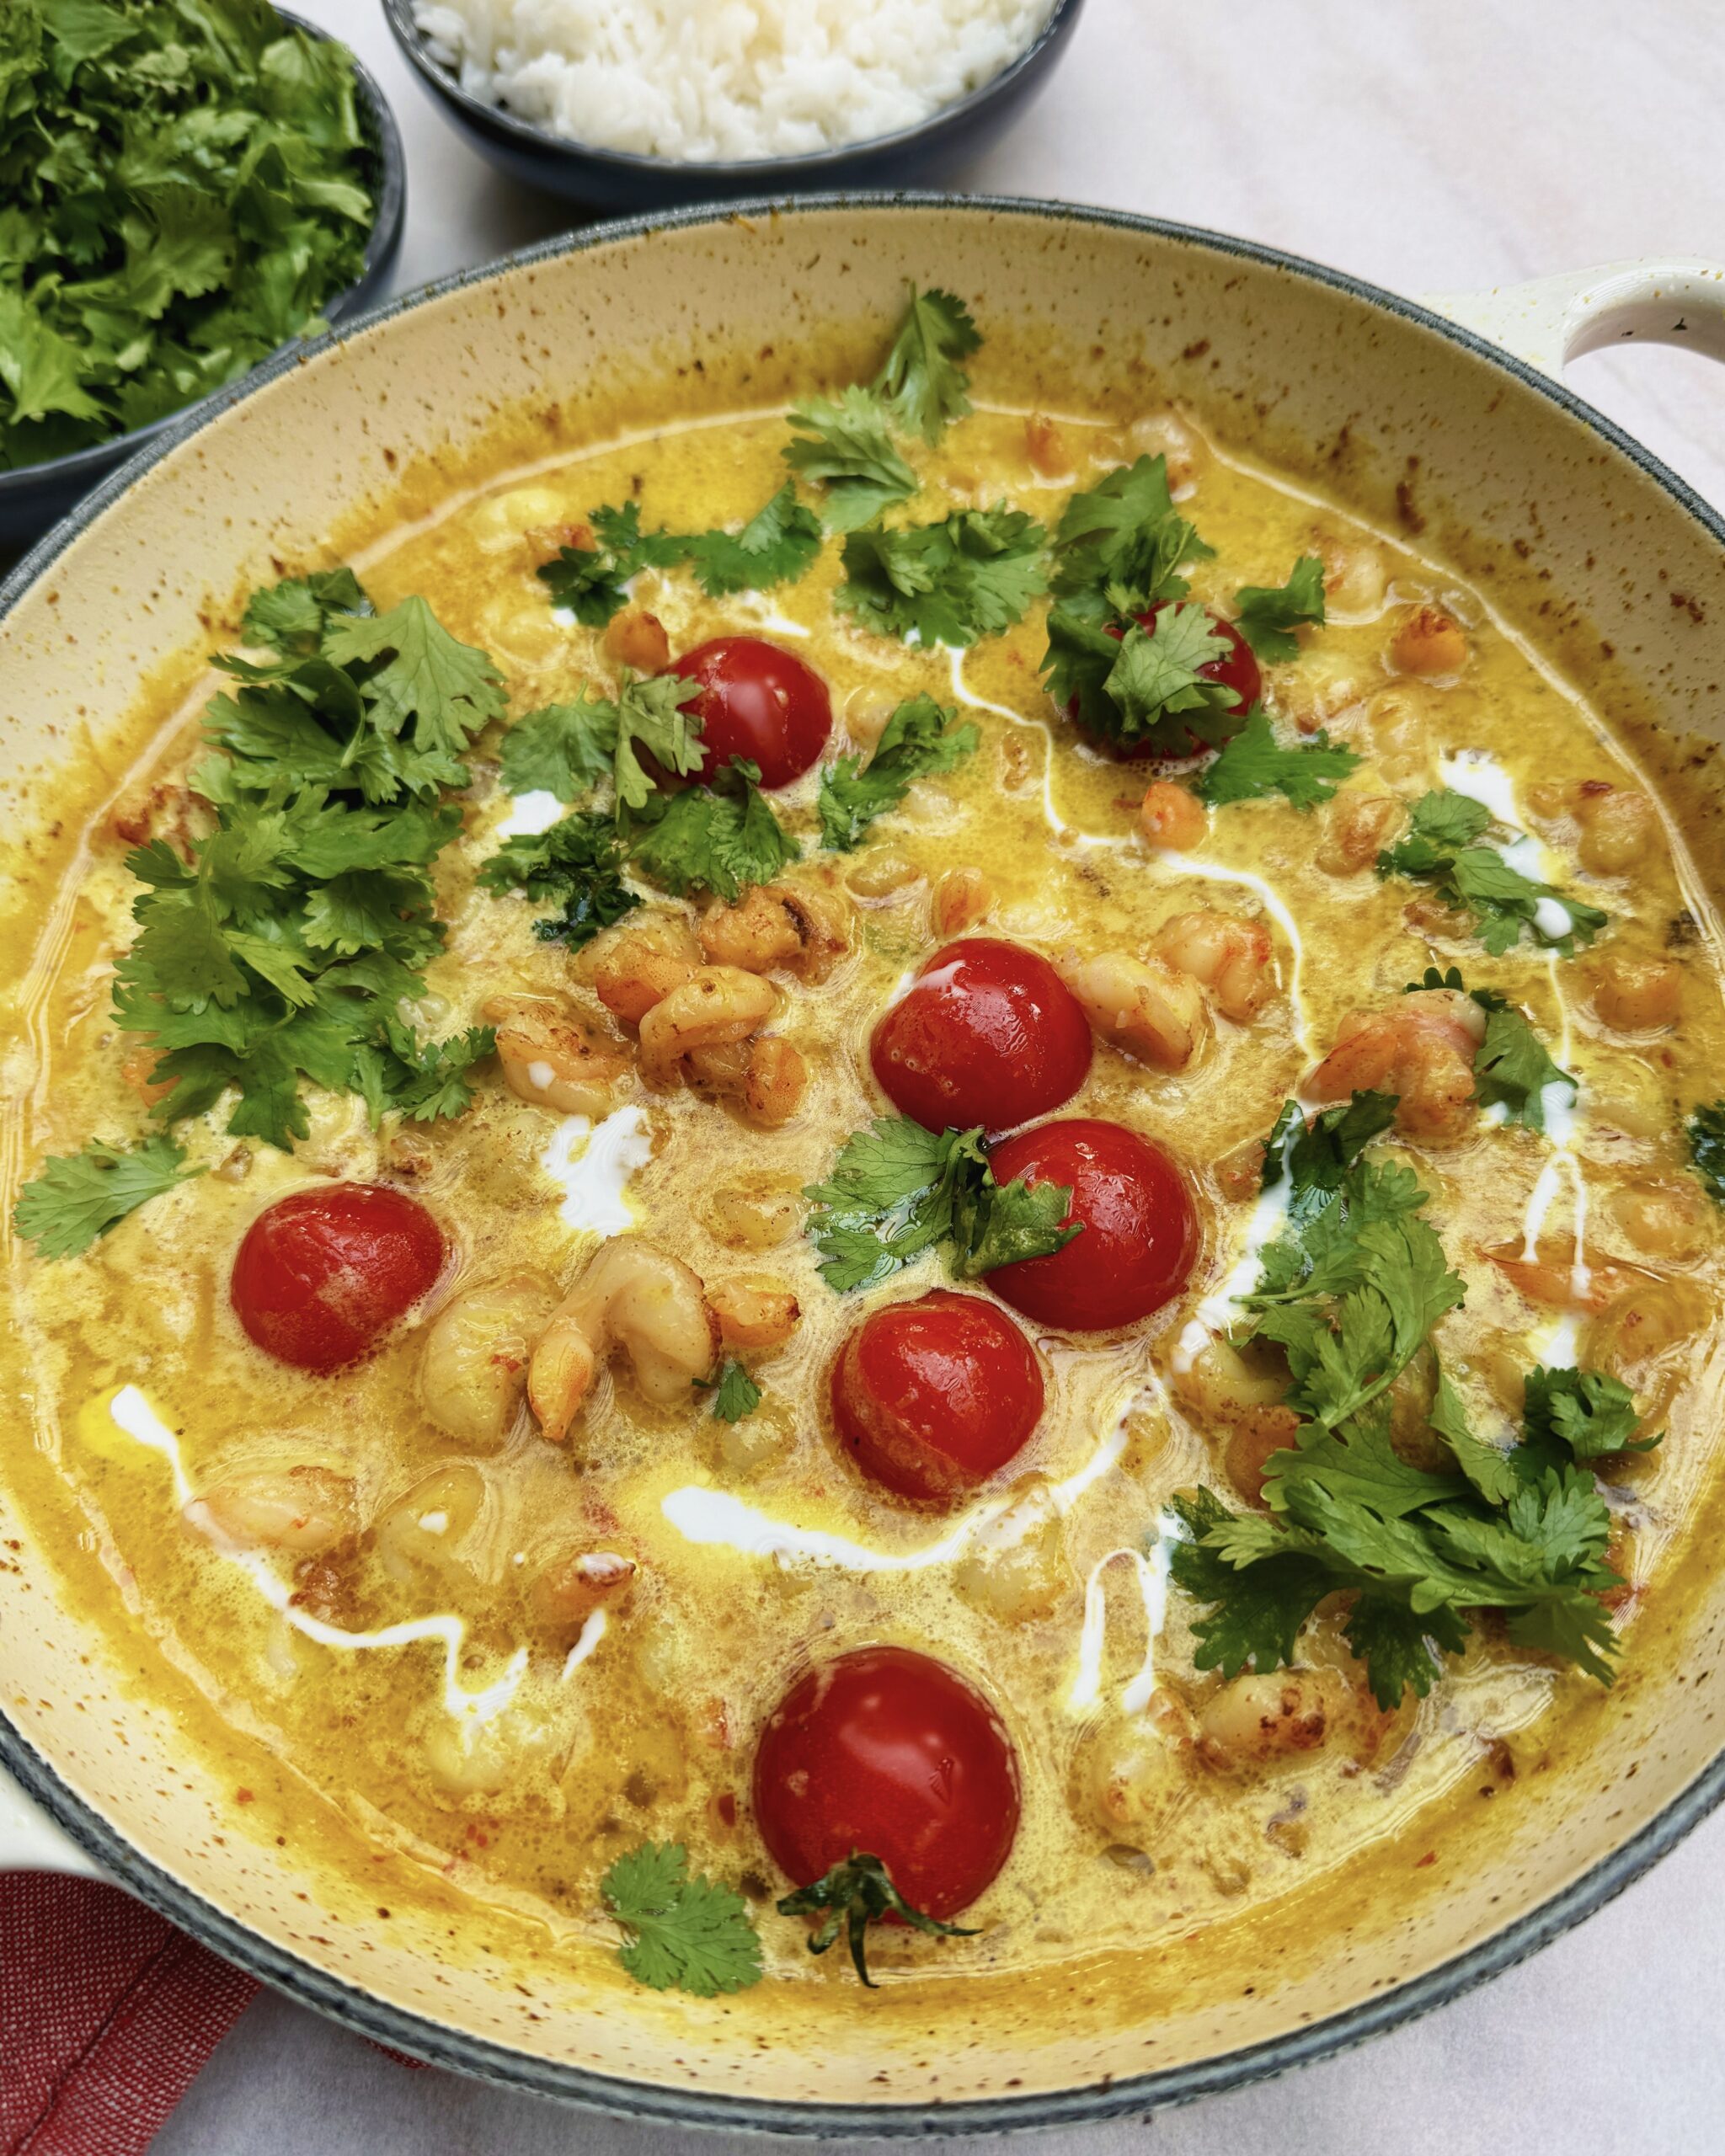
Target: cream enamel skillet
(1573, 532)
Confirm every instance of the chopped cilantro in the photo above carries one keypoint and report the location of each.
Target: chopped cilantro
(918, 740)
(80, 1196)
(422, 1080)
(1707, 1147)
(777, 545)
(857, 1892)
(1254, 764)
(577, 863)
(842, 443)
(283, 946)
(716, 837)
(1441, 848)
(680, 1933)
(1123, 536)
(1351, 1292)
(897, 1190)
(185, 185)
(921, 384)
(1148, 687)
(591, 581)
(736, 1395)
(970, 575)
(1267, 615)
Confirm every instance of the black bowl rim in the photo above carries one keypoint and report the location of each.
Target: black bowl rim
(480, 2057)
(381, 244)
(741, 173)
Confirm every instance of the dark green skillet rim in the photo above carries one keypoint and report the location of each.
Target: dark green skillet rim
(439, 2045)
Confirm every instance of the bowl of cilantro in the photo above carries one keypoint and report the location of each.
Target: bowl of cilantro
(185, 190)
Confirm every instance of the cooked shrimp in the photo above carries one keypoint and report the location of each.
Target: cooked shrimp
(1165, 434)
(1427, 641)
(632, 968)
(1276, 1713)
(765, 1078)
(474, 1366)
(575, 1583)
(1634, 994)
(1356, 571)
(754, 1312)
(804, 928)
(1147, 1006)
(302, 1509)
(548, 1059)
(1552, 1275)
(1619, 827)
(637, 638)
(715, 1007)
(1172, 816)
(1357, 827)
(962, 897)
(1422, 1050)
(635, 1297)
(1230, 957)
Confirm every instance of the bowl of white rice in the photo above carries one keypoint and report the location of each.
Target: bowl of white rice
(633, 104)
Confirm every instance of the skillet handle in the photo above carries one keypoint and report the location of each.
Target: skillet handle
(1659, 300)
(30, 1841)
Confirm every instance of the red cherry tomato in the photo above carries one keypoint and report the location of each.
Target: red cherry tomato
(759, 702)
(323, 1274)
(988, 1033)
(889, 1754)
(1237, 670)
(932, 1396)
(1140, 1232)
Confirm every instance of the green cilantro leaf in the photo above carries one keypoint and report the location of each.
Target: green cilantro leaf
(1267, 615)
(80, 1196)
(1706, 1131)
(290, 616)
(719, 837)
(1260, 1607)
(577, 863)
(736, 1395)
(1440, 848)
(423, 1082)
(777, 545)
(680, 1933)
(591, 581)
(842, 443)
(1146, 686)
(1124, 536)
(561, 749)
(919, 741)
(1587, 1412)
(1254, 764)
(1511, 1067)
(921, 384)
(447, 689)
(970, 575)
(897, 1190)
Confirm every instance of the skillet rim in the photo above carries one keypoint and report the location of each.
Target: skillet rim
(483, 2059)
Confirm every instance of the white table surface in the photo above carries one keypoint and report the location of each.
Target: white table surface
(1431, 146)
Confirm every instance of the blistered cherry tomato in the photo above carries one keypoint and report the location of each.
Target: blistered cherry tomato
(988, 1032)
(1140, 1235)
(1237, 669)
(323, 1274)
(889, 1754)
(932, 1396)
(760, 701)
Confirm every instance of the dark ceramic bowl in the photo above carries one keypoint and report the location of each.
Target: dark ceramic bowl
(619, 179)
(36, 495)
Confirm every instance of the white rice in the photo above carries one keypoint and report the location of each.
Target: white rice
(718, 80)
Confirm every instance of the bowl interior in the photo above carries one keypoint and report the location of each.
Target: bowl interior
(1573, 537)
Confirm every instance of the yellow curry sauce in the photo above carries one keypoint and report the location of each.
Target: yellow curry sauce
(518, 1762)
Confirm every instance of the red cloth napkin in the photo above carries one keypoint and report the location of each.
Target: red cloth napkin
(107, 2015)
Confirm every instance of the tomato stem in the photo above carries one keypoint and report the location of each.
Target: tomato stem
(855, 1894)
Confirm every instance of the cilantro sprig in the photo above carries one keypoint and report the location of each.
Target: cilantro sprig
(775, 545)
(720, 837)
(568, 748)
(79, 1197)
(843, 445)
(1253, 764)
(921, 383)
(736, 1395)
(1120, 546)
(1706, 1131)
(283, 946)
(1512, 1067)
(971, 574)
(1268, 614)
(1442, 848)
(1145, 687)
(681, 1932)
(1351, 1291)
(592, 581)
(897, 1190)
(918, 741)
